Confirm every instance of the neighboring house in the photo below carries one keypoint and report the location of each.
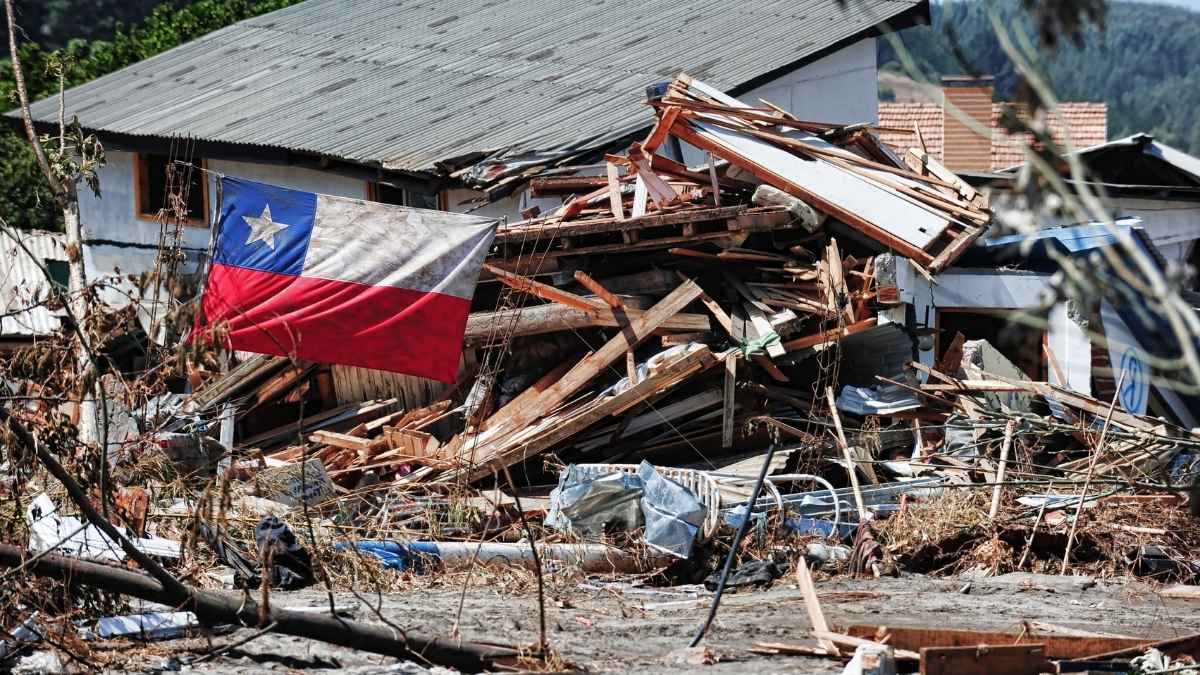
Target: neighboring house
(962, 148)
(1139, 177)
(1004, 290)
(441, 105)
(25, 290)
(1135, 177)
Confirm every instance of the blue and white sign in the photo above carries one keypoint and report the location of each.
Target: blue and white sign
(1125, 356)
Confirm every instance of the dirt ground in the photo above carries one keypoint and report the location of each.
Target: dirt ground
(607, 626)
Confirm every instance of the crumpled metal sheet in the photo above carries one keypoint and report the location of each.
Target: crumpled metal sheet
(588, 504)
(673, 514)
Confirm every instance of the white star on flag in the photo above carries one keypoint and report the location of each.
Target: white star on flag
(263, 228)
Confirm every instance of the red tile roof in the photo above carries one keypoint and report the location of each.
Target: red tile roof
(899, 117)
(1085, 123)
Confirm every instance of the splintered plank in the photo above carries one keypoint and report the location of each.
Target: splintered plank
(812, 605)
(829, 335)
(340, 440)
(729, 407)
(489, 326)
(597, 289)
(543, 291)
(661, 130)
(587, 369)
(615, 199)
(839, 292)
(639, 197)
(509, 451)
(517, 232)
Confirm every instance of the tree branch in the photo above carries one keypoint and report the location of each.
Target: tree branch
(223, 608)
(56, 186)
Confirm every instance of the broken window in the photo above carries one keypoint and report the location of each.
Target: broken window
(152, 185)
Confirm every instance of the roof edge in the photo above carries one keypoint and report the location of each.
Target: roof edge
(915, 15)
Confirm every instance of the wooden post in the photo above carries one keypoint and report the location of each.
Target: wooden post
(850, 463)
(1008, 437)
(728, 410)
(615, 200)
(712, 178)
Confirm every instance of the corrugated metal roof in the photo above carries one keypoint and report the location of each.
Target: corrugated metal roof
(23, 284)
(407, 84)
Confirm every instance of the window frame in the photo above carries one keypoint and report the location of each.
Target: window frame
(372, 195)
(141, 186)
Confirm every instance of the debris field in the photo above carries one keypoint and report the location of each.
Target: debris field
(681, 438)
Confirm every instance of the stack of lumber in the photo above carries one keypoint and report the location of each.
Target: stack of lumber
(383, 443)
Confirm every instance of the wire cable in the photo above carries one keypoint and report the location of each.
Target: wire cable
(737, 539)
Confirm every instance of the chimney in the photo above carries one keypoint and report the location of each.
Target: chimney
(962, 147)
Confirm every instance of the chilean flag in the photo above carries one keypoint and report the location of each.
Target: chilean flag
(338, 280)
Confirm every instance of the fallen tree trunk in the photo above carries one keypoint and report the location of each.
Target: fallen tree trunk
(214, 608)
(217, 608)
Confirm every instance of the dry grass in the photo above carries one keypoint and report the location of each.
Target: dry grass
(931, 521)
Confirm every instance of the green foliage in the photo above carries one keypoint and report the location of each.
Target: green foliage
(25, 201)
(1145, 62)
(55, 22)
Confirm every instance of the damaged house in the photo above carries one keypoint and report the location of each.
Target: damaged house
(433, 106)
(639, 292)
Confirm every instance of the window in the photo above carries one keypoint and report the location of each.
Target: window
(385, 193)
(151, 187)
(60, 274)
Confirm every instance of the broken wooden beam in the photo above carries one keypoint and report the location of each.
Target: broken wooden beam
(551, 318)
(586, 370)
(598, 289)
(544, 291)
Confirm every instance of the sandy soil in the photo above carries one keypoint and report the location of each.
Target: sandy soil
(613, 627)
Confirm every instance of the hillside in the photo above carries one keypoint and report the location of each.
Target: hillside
(1145, 64)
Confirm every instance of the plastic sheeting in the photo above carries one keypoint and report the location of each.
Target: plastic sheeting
(587, 504)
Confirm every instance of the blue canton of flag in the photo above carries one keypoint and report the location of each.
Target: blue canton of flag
(264, 227)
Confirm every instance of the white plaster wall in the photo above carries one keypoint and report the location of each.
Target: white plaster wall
(840, 88)
(1173, 226)
(987, 289)
(112, 217)
(293, 177)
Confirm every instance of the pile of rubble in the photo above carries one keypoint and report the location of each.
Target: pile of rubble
(629, 360)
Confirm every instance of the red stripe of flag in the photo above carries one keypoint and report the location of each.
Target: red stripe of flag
(380, 327)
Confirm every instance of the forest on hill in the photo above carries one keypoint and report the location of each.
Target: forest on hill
(1144, 62)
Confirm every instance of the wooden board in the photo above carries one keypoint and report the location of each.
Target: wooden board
(483, 327)
(586, 370)
(1056, 646)
(986, 660)
(530, 441)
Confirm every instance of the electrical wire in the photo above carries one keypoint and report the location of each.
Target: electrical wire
(737, 539)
